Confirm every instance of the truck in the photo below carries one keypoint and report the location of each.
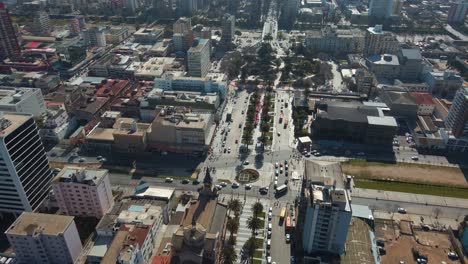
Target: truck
(282, 213)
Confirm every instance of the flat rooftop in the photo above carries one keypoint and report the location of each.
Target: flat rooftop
(160, 193)
(12, 121)
(80, 175)
(34, 224)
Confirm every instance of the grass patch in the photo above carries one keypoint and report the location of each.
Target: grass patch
(269, 140)
(259, 242)
(409, 187)
(261, 215)
(262, 222)
(365, 163)
(258, 254)
(257, 261)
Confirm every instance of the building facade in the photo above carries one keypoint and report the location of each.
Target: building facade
(95, 37)
(457, 12)
(378, 41)
(199, 58)
(336, 41)
(25, 173)
(381, 9)
(44, 238)
(227, 28)
(9, 46)
(83, 192)
(457, 118)
(22, 100)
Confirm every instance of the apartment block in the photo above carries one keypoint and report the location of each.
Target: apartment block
(83, 192)
(337, 41)
(9, 46)
(44, 238)
(378, 41)
(457, 118)
(22, 100)
(199, 58)
(25, 175)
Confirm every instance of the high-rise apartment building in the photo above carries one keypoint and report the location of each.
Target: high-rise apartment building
(378, 41)
(199, 58)
(328, 212)
(25, 174)
(44, 238)
(183, 34)
(227, 29)
(83, 192)
(457, 12)
(9, 46)
(457, 118)
(189, 7)
(95, 36)
(41, 24)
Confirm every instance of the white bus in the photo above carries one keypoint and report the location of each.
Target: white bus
(281, 190)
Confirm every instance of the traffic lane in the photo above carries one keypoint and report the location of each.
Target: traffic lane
(412, 208)
(280, 250)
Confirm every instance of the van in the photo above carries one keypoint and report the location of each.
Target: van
(269, 226)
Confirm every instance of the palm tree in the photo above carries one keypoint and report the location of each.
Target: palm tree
(235, 206)
(257, 208)
(251, 245)
(253, 223)
(233, 226)
(229, 255)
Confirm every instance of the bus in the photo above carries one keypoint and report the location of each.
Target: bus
(285, 123)
(282, 213)
(289, 224)
(281, 190)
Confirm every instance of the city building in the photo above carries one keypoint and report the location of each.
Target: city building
(227, 28)
(183, 34)
(197, 101)
(378, 41)
(83, 191)
(155, 67)
(289, 12)
(116, 35)
(401, 103)
(424, 101)
(457, 12)
(443, 83)
(95, 36)
(328, 213)
(56, 124)
(385, 66)
(333, 40)
(457, 118)
(22, 100)
(41, 25)
(364, 80)
(9, 46)
(381, 9)
(177, 81)
(76, 24)
(27, 176)
(411, 64)
(188, 7)
(198, 57)
(72, 52)
(353, 121)
(176, 129)
(44, 238)
(199, 236)
(148, 35)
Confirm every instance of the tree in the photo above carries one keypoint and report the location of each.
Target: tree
(232, 226)
(257, 208)
(238, 33)
(268, 38)
(253, 223)
(235, 206)
(229, 255)
(251, 245)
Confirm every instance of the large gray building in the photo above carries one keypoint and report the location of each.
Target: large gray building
(333, 40)
(355, 122)
(411, 64)
(379, 42)
(400, 102)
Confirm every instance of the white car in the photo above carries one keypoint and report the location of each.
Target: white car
(246, 162)
(223, 184)
(235, 185)
(415, 158)
(269, 259)
(169, 180)
(248, 186)
(270, 215)
(270, 210)
(401, 210)
(288, 238)
(276, 165)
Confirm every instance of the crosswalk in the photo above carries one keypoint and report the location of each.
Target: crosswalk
(244, 232)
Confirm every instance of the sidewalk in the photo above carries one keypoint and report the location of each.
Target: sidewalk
(410, 198)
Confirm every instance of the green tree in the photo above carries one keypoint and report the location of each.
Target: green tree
(229, 255)
(232, 226)
(251, 245)
(257, 208)
(253, 223)
(235, 206)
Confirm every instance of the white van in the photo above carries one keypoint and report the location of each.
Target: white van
(269, 226)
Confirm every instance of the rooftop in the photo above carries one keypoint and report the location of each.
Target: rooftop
(320, 172)
(384, 59)
(11, 121)
(80, 175)
(159, 193)
(33, 224)
(422, 98)
(198, 45)
(13, 95)
(412, 54)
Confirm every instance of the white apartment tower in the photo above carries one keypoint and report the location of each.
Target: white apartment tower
(83, 192)
(199, 58)
(44, 238)
(25, 174)
(379, 42)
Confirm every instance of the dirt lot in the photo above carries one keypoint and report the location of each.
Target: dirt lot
(407, 172)
(434, 245)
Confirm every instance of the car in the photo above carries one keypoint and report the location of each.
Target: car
(286, 167)
(279, 133)
(281, 170)
(421, 261)
(276, 165)
(276, 184)
(270, 215)
(285, 162)
(269, 234)
(169, 180)
(269, 226)
(82, 160)
(361, 154)
(246, 162)
(263, 190)
(270, 209)
(401, 210)
(184, 181)
(235, 185)
(307, 155)
(268, 243)
(237, 141)
(286, 173)
(225, 150)
(269, 259)
(452, 255)
(286, 181)
(248, 186)
(288, 238)
(277, 172)
(99, 157)
(415, 158)
(103, 160)
(195, 182)
(218, 187)
(316, 154)
(223, 184)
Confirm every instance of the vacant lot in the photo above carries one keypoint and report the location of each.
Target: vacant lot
(436, 248)
(406, 172)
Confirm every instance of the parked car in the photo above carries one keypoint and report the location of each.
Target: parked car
(288, 238)
(401, 210)
(235, 185)
(169, 180)
(184, 181)
(248, 186)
